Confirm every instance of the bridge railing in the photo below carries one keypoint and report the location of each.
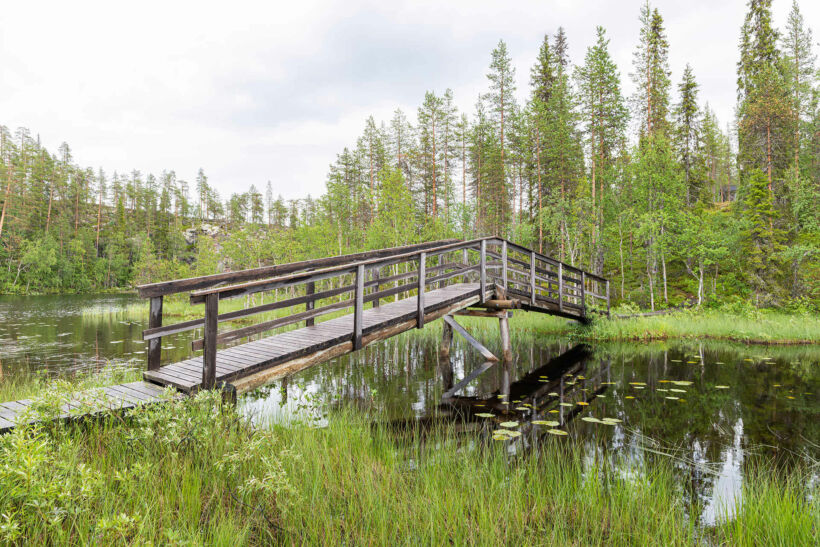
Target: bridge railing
(330, 285)
(156, 292)
(361, 281)
(530, 275)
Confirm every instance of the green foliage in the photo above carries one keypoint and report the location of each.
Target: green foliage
(662, 213)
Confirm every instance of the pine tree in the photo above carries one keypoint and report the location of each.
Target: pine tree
(604, 116)
(687, 133)
(799, 57)
(429, 116)
(502, 102)
(763, 238)
(765, 117)
(651, 76)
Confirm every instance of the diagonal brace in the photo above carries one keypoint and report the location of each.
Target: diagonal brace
(473, 342)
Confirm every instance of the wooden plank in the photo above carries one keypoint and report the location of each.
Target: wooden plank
(467, 336)
(358, 309)
(420, 297)
(154, 322)
(136, 397)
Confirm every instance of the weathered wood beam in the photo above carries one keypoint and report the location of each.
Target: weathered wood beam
(473, 342)
(155, 322)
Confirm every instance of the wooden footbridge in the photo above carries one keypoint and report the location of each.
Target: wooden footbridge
(369, 296)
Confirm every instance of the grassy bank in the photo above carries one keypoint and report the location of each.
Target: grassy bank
(196, 473)
(762, 327)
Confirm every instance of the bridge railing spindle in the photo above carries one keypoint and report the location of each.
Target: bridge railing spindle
(420, 300)
(358, 308)
(209, 353)
(483, 270)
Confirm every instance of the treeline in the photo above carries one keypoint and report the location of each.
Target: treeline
(649, 190)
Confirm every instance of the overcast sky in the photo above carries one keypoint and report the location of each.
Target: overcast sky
(258, 91)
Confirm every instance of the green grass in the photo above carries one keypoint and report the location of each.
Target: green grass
(763, 327)
(196, 472)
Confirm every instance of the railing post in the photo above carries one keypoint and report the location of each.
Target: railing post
(584, 292)
(376, 288)
(607, 297)
(504, 263)
(422, 282)
(358, 308)
(310, 288)
(465, 259)
(532, 277)
(209, 354)
(483, 271)
(155, 344)
(560, 286)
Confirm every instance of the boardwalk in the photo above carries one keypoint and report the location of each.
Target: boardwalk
(119, 397)
(371, 296)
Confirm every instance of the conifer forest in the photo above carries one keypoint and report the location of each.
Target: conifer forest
(652, 190)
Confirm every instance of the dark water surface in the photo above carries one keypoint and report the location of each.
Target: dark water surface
(711, 406)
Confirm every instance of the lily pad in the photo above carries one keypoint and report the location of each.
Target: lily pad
(508, 424)
(583, 403)
(485, 415)
(550, 423)
(629, 397)
(682, 382)
(565, 404)
(611, 420)
(678, 390)
(522, 408)
(671, 398)
(590, 419)
(556, 432)
(552, 394)
(721, 387)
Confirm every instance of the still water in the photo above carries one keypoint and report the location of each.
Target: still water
(712, 407)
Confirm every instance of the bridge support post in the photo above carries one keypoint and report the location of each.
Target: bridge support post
(209, 354)
(445, 366)
(607, 297)
(506, 347)
(155, 344)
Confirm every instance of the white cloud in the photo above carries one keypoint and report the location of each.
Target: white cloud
(257, 91)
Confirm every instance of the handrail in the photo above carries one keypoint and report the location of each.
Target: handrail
(196, 283)
(232, 291)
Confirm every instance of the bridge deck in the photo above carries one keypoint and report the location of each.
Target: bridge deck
(119, 397)
(243, 360)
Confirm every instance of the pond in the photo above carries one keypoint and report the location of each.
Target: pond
(712, 407)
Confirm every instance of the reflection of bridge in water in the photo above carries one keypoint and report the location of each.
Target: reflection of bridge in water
(551, 392)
